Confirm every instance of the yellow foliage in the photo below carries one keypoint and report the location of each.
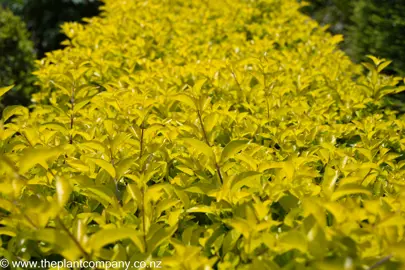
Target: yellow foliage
(210, 133)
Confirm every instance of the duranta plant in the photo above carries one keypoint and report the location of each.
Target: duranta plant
(209, 134)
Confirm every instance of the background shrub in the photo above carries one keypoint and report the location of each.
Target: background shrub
(19, 47)
(44, 18)
(16, 59)
(335, 13)
(370, 27)
(378, 28)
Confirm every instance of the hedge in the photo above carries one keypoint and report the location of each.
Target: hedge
(209, 135)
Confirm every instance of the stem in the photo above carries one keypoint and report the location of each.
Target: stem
(380, 262)
(79, 246)
(29, 220)
(218, 169)
(238, 84)
(270, 88)
(144, 219)
(25, 137)
(141, 142)
(141, 169)
(72, 102)
(13, 167)
(219, 172)
(203, 128)
(117, 192)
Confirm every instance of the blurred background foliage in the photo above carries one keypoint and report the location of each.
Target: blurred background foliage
(29, 29)
(370, 27)
(44, 17)
(17, 57)
(374, 27)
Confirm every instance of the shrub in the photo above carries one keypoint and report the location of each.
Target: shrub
(16, 59)
(226, 135)
(370, 27)
(44, 18)
(379, 28)
(335, 13)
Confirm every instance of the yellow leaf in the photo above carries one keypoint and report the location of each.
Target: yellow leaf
(4, 90)
(106, 166)
(63, 190)
(199, 146)
(349, 189)
(33, 156)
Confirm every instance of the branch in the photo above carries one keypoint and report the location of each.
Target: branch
(79, 246)
(218, 169)
(72, 102)
(380, 262)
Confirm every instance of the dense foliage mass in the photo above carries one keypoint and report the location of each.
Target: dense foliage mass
(16, 59)
(217, 135)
